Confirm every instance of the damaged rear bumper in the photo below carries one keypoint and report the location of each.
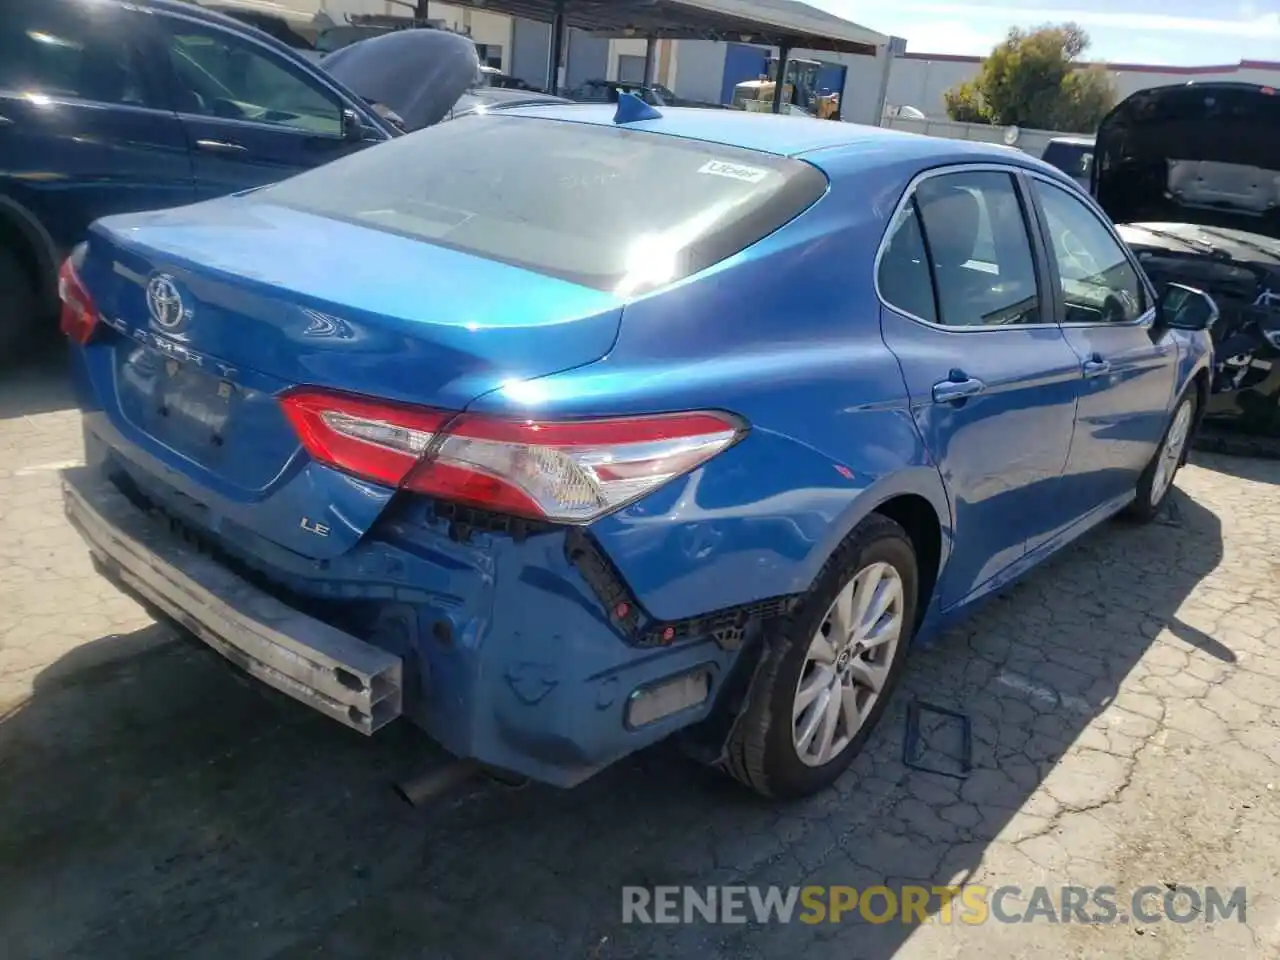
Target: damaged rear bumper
(355, 683)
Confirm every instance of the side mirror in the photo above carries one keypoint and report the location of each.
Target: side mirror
(352, 126)
(1185, 308)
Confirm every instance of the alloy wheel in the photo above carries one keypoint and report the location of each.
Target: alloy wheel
(1170, 453)
(847, 664)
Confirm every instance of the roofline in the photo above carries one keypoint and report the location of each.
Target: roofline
(1181, 71)
(198, 10)
(732, 21)
(269, 8)
(823, 24)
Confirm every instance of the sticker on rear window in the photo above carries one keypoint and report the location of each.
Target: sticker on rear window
(735, 171)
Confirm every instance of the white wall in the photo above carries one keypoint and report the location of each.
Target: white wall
(629, 47)
(860, 100)
(336, 8)
(484, 27)
(1131, 81)
(698, 69)
(920, 81)
(1029, 141)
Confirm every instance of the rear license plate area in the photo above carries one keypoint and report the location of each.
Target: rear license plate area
(195, 405)
(184, 406)
(225, 420)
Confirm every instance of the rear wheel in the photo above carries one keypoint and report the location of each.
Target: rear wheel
(19, 305)
(1156, 482)
(828, 672)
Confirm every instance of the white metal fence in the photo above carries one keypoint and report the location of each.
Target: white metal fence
(1031, 141)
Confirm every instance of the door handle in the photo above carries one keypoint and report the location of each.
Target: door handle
(959, 387)
(1095, 367)
(220, 146)
(4, 121)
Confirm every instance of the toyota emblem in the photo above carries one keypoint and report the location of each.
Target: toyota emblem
(164, 302)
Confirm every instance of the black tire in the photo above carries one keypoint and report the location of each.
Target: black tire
(19, 304)
(1143, 510)
(761, 752)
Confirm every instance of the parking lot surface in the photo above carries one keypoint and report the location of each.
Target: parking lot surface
(1125, 712)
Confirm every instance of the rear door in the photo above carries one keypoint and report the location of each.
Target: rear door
(251, 115)
(85, 130)
(992, 381)
(1129, 367)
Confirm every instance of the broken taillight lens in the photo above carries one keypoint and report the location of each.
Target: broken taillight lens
(571, 471)
(79, 317)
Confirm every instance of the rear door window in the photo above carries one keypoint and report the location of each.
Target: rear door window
(959, 254)
(904, 278)
(601, 206)
(59, 51)
(1073, 159)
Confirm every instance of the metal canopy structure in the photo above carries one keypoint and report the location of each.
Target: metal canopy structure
(765, 22)
(785, 24)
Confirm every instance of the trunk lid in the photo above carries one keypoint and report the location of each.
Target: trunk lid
(214, 310)
(420, 74)
(1198, 153)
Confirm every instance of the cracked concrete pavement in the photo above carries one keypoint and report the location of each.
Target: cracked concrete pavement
(1125, 705)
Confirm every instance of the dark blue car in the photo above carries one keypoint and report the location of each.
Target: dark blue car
(111, 107)
(559, 430)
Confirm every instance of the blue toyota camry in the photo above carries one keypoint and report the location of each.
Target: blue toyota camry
(560, 430)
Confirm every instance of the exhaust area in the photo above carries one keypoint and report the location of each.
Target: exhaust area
(435, 782)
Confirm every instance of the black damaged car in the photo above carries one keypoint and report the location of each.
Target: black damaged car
(1191, 174)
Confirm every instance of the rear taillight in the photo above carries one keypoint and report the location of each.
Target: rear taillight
(371, 439)
(79, 317)
(567, 471)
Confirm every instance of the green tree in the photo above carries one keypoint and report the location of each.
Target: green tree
(964, 103)
(1036, 79)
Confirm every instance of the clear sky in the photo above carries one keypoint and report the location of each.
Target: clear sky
(1182, 32)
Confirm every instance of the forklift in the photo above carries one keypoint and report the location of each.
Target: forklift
(800, 94)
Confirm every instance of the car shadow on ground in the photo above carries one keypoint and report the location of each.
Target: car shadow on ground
(157, 804)
(35, 381)
(1246, 468)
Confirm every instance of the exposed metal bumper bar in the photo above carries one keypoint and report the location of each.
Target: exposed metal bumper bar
(354, 682)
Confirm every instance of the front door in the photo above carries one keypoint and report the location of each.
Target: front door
(251, 115)
(1129, 367)
(992, 381)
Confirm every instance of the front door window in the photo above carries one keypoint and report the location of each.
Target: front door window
(225, 76)
(1099, 283)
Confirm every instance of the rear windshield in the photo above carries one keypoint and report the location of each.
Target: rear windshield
(1074, 159)
(604, 207)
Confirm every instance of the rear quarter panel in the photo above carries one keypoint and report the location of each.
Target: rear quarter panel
(786, 335)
